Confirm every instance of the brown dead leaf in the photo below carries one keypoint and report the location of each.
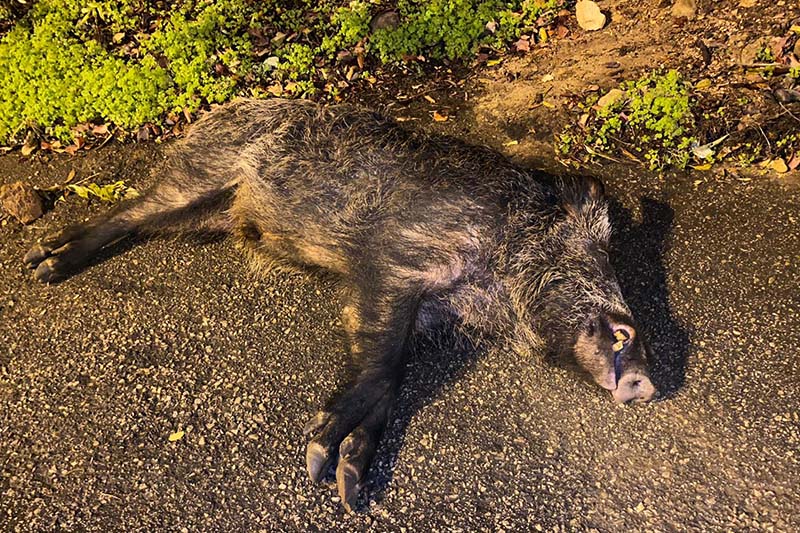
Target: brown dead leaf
(523, 45)
(439, 117)
(143, 134)
(561, 31)
(101, 129)
(794, 162)
(589, 16)
(30, 146)
(429, 99)
(70, 176)
(72, 149)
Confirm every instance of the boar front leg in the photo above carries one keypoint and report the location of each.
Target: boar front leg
(378, 319)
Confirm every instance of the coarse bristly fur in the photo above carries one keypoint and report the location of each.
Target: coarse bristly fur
(418, 228)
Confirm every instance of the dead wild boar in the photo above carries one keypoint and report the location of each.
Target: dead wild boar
(418, 228)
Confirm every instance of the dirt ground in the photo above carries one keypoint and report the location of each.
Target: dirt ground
(168, 334)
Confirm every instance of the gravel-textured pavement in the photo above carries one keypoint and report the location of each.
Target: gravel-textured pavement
(173, 334)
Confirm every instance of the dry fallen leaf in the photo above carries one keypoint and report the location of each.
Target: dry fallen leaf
(30, 145)
(543, 35)
(178, 435)
(794, 162)
(779, 166)
(523, 45)
(438, 117)
(703, 84)
(590, 18)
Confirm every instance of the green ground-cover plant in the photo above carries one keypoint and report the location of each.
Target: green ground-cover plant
(652, 117)
(57, 71)
(442, 28)
(132, 62)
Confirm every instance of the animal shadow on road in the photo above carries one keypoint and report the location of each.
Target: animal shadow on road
(638, 251)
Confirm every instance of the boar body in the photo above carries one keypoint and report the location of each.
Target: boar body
(418, 229)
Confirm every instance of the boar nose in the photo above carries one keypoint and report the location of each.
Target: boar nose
(632, 388)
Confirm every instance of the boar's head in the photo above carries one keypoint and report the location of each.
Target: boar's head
(566, 295)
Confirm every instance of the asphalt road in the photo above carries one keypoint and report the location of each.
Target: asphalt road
(174, 334)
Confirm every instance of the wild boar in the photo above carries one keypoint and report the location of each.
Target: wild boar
(417, 228)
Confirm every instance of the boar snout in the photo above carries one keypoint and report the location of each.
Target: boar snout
(610, 350)
(634, 387)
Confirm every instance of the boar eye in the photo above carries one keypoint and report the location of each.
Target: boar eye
(603, 252)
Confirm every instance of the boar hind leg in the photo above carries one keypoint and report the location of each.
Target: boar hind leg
(379, 321)
(184, 194)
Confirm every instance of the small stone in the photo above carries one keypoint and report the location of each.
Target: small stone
(21, 201)
(387, 20)
(589, 16)
(684, 8)
(610, 97)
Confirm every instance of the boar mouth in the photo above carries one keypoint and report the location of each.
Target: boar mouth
(622, 338)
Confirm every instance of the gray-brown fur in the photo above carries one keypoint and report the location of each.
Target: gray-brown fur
(419, 229)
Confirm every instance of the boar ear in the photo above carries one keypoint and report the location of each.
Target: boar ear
(582, 191)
